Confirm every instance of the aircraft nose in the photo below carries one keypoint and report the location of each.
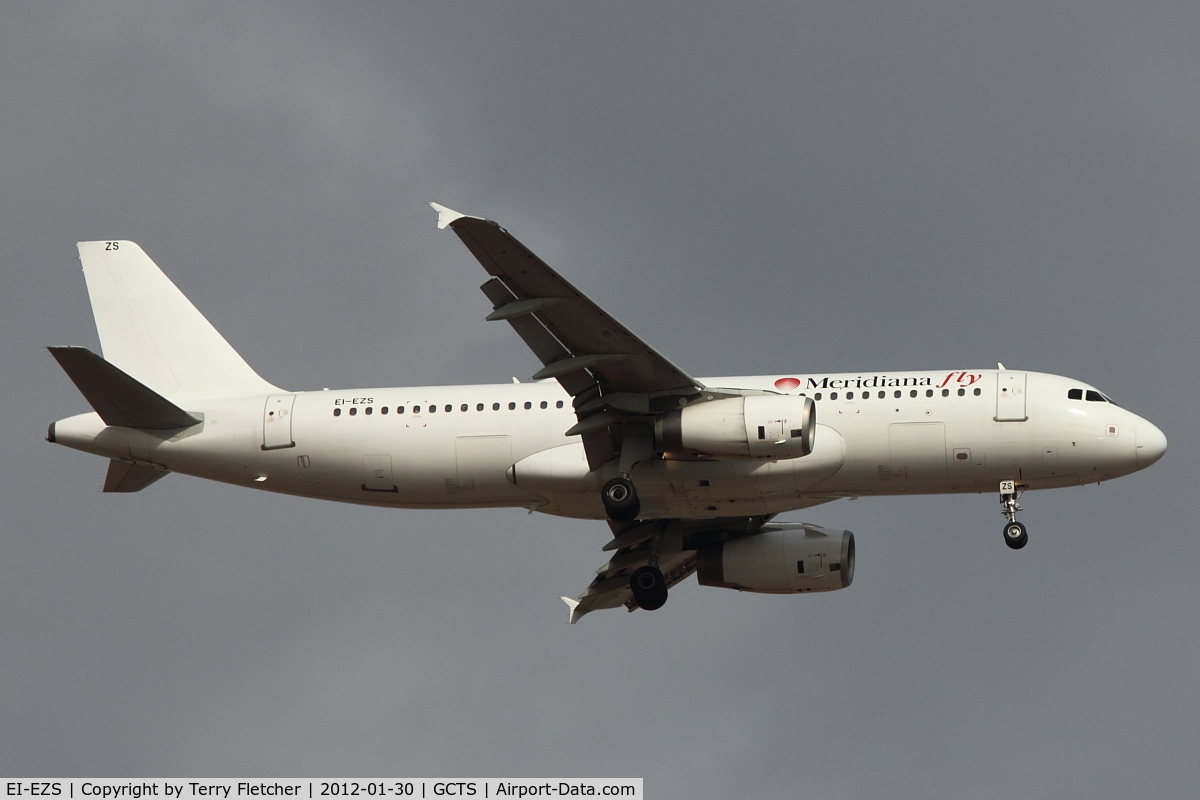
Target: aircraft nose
(1151, 444)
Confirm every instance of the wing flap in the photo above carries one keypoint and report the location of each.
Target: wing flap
(543, 344)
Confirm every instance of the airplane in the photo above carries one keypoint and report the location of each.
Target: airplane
(689, 473)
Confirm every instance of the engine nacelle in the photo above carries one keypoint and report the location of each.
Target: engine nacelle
(783, 559)
(768, 426)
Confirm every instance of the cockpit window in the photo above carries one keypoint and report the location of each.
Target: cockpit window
(1092, 396)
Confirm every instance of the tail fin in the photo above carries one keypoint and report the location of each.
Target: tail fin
(153, 333)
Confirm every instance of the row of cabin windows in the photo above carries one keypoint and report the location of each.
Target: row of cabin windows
(1074, 394)
(1092, 396)
(432, 409)
(897, 394)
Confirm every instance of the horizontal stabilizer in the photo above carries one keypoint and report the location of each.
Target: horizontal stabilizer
(125, 476)
(117, 398)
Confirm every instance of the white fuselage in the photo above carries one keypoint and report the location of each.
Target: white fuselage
(505, 445)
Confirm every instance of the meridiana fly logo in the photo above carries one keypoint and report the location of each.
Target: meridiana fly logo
(960, 379)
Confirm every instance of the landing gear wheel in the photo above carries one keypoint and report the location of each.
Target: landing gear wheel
(1014, 532)
(1015, 535)
(620, 500)
(649, 587)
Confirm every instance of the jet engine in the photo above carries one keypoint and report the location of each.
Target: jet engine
(783, 559)
(756, 427)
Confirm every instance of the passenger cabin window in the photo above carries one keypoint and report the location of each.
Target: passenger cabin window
(353, 411)
(416, 409)
(929, 392)
(463, 408)
(512, 406)
(337, 412)
(369, 411)
(545, 404)
(495, 406)
(962, 392)
(479, 406)
(399, 409)
(558, 404)
(383, 409)
(528, 405)
(1075, 394)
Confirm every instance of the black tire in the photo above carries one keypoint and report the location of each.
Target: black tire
(1015, 535)
(649, 587)
(653, 603)
(620, 500)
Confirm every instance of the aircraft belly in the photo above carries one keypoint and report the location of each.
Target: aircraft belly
(704, 489)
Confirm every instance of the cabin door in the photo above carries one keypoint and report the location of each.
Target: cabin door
(277, 422)
(1010, 397)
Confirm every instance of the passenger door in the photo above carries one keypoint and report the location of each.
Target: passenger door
(1010, 397)
(277, 422)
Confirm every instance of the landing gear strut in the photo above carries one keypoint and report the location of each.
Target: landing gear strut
(1015, 535)
(620, 500)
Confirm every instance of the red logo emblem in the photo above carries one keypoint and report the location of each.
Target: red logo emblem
(787, 384)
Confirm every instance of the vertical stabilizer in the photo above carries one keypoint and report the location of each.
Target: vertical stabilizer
(153, 333)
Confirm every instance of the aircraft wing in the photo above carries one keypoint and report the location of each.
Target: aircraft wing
(609, 371)
(608, 590)
(672, 542)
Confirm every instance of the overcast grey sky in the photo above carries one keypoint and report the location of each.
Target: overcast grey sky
(753, 188)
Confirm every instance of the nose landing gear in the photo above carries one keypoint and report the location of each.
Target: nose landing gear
(1015, 535)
